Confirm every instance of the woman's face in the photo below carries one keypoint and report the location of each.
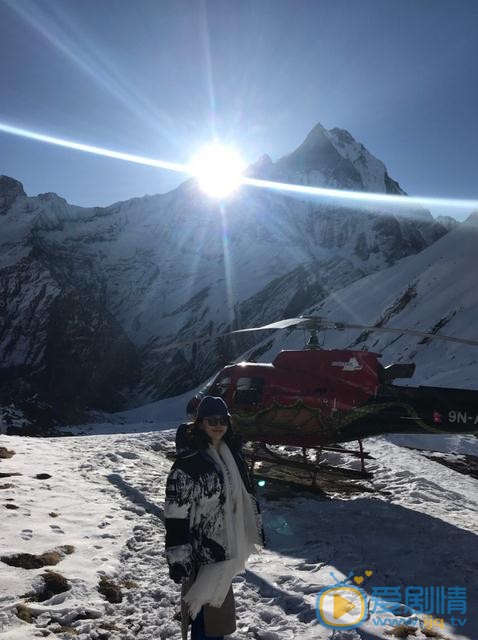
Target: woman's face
(215, 427)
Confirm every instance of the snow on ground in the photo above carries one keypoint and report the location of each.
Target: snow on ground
(417, 524)
(465, 444)
(158, 415)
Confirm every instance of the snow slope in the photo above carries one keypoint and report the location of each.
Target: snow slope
(434, 291)
(416, 523)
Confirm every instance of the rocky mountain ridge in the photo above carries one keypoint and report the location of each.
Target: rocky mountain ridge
(90, 297)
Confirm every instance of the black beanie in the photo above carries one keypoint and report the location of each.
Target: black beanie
(211, 406)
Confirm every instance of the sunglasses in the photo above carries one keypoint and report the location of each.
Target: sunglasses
(213, 421)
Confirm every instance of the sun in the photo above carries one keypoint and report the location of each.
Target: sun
(218, 170)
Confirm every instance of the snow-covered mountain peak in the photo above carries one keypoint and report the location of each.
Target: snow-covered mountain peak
(261, 167)
(335, 159)
(371, 169)
(315, 138)
(50, 196)
(318, 155)
(10, 190)
(344, 137)
(448, 222)
(104, 285)
(472, 219)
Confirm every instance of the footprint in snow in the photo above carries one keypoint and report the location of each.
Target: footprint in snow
(56, 528)
(26, 534)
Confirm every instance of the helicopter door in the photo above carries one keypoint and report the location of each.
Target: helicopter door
(220, 387)
(248, 391)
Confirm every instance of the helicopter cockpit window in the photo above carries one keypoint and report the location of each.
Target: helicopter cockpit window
(221, 386)
(248, 390)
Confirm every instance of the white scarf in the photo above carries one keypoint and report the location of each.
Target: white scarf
(213, 580)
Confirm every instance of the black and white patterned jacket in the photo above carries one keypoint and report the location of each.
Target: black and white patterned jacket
(194, 506)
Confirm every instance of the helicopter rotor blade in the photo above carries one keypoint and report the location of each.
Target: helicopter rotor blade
(199, 339)
(317, 322)
(280, 324)
(411, 332)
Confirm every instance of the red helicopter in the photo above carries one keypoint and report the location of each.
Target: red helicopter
(315, 397)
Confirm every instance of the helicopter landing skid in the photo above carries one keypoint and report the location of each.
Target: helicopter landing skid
(314, 475)
(361, 454)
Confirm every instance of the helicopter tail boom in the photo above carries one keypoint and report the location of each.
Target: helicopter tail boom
(397, 409)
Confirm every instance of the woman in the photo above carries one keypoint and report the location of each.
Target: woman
(212, 520)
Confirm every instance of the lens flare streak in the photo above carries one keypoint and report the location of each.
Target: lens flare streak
(99, 151)
(360, 196)
(293, 189)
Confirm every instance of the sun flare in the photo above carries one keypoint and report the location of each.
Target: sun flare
(218, 170)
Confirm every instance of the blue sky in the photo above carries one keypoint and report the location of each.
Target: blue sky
(158, 78)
